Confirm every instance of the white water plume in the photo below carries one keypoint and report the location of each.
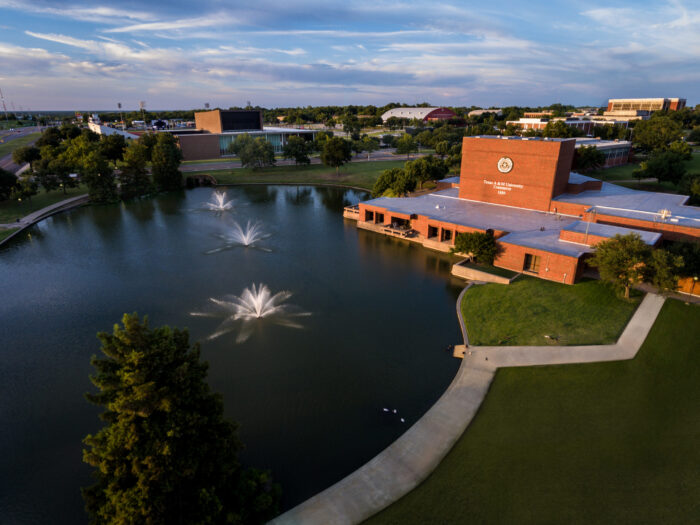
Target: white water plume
(248, 236)
(255, 305)
(218, 203)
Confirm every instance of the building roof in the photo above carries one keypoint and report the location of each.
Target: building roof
(602, 144)
(266, 130)
(409, 113)
(609, 231)
(446, 206)
(619, 201)
(547, 240)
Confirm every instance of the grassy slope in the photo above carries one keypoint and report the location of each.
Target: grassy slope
(11, 210)
(11, 145)
(522, 312)
(579, 444)
(6, 233)
(360, 174)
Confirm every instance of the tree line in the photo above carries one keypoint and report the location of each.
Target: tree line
(108, 165)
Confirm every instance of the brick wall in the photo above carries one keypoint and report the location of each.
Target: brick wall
(553, 267)
(199, 147)
(540, 171)
(208, 120)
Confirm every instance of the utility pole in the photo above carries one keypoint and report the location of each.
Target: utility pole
(142, 105)
(119, 105)
(4, 107)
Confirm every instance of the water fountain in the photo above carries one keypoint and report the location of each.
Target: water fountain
(239, 236)
(253, 305)
(218, 203)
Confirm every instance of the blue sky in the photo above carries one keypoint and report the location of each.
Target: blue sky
(181, 54)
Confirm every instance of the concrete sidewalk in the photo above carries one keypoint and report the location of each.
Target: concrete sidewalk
(410, 459)
(34, 217)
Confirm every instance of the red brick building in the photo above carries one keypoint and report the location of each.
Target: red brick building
(545, 217)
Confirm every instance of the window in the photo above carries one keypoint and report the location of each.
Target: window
(380, 218)
(532, 263)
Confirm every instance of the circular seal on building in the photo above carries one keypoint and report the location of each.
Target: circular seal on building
(505, 164)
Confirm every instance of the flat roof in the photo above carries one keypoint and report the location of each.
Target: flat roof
(446, 206)
(516, 137)
(263, 131)
(600, 143)
(609, 231)
(547, 240)
(619, 201)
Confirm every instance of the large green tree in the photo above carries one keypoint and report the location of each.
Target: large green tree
(298, 149)
(656, 133)
(370, 144)
(393, 182)
(257, 153)
(663, 165)
(587, 158)
(664, 269)
(166, 455)
(165, 163)
(133, 176)
(98, 174)
(336, 152)
(26, 154)
(622, 261)
(426, 168)
(406, 144)
(8, 181)
(481, 246)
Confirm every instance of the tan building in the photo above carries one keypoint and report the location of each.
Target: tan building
(641, 108)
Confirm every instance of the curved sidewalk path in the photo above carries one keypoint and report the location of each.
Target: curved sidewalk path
(410, 459)
(39, 215)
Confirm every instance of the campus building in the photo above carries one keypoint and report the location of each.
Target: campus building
(216, 130)
(424, 114)
(616, 152)
(546, 218)
(641, 108)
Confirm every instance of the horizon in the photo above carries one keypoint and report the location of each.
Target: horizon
(173, 55)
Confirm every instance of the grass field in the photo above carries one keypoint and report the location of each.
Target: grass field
(526, 310)
(10, 211)
(359, 174)
(6, 233)
(11, 145)
(579, 444)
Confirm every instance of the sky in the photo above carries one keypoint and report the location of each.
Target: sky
(90, 55)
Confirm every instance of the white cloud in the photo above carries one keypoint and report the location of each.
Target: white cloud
(89, 14)
(210, 20)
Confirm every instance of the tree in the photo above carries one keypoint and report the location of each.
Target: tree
(357, 146)
(25, 188)
(336, 152)
(442, 148)
(406, 144)
(694, 135)
(664, 166)
(165, 163)
(425, 138)
(26, 154)
(165, 454)
(656, 133)
(426, 168)
(393, 182)
(369, 144)
(389, 140)
(622, 261)
(255, 153)
(96, 172)
(50, 137)
(481, 246)
(664, 269)
(682, 148)
(113, 146)
(557, 128)
(298, 149)
(587, 158)
(8, 181)
(133, 177)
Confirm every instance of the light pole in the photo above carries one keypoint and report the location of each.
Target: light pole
(142, 106)
(119, 105)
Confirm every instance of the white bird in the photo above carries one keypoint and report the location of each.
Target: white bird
(385, 409)
(403, 420)
(394, 411)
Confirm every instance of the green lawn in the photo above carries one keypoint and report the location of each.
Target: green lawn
(11, 210)
(579, 444)
(9, 146)
(526, 310)
(4, 234)
(615, 173)
(360, 174)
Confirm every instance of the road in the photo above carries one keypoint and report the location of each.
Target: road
(7, 136)
(380, 155)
